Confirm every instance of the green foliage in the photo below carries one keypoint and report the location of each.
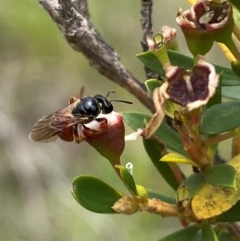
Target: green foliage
(153, 149)
(128, 180)
(231, 92)
(208, 233)
(220, 118)
(193, 183)
(221, 175)
(94, 194)
(152, 84)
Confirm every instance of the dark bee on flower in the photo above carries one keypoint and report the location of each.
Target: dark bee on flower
(65, 122)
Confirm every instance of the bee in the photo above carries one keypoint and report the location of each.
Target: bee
(65, 122)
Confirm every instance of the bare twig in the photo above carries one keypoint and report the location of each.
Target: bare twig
(234, 228)
(72, 19)
(146, 22)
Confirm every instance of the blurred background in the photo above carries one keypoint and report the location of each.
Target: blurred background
(38, 73)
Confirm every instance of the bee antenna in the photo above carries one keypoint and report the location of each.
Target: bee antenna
(123, 101)
(109, 92)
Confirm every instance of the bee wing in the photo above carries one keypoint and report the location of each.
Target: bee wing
(42, 130)
(47, 128)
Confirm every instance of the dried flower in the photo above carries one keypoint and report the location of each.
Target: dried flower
(206, 22)
(191, 88)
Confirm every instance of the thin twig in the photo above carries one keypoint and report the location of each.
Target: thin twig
(82, 37)
(234, 228)
(146, 22)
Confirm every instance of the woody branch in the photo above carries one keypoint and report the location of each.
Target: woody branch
(73, 20)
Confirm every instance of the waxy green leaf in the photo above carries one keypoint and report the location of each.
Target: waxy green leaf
(153, 150)
(220, 118)
(151, 84)
(194, 182)
(151, 61)
(127, 179)
(94, 194)
(221, 176)
(231, 92)
(208, 233)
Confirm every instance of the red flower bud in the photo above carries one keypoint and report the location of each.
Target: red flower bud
(106, 135)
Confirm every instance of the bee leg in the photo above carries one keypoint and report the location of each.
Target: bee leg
(72, 100)
(81, 91)
(77, 135)
(80, 96)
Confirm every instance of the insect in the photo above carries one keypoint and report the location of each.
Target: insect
(64, 123)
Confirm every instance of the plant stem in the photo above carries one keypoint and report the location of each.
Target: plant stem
(159, 207)
(146, 21)
(234, 228)
(219, 138)
(232, 47)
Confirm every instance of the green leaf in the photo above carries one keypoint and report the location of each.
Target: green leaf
(161, 196)
(176, 158)
(186, 234)
(152, 84)
(208, 233)
(194, 182)
(231, 215)
(221, 175)
(220, 118)
(151, 61)
(225, 235)
(236, 67)
(167, 135)
(153, 150)
(231, 92)
(229, 78)
(94, 194)
(127, 179)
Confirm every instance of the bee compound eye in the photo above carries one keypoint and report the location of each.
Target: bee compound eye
(88, 106)
(106, 105)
